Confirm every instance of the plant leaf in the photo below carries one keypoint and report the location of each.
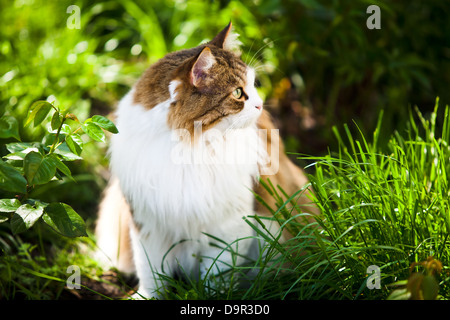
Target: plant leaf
(26, 216)
(60, 165)
(73, 117)
(93, 131)
(105, 123)
(11, 179)
(64, 220)
(56, 120)
(38, 169)
(38, 112)
(4, 217)
(21, 146)
(9, 127)
(20, 155)
(9, 205)
(64, 151)
(75, 144)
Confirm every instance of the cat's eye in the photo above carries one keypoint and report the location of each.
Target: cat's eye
(238, 93)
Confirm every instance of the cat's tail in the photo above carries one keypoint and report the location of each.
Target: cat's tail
(112, 231)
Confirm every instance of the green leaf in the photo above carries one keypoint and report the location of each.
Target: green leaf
(399, 294)
(21, 146)
(4, 217)
(105, 123)
(64, 220)
(64, 151)
(65, 129)
(20, 155)
(93, 131)
(56, 120)
(9, 205)
(9, 127)
(38, 169)
(11, 179)
(75, 144)
(38, 112)
(26, 216)
(60, 165)
(430, 288)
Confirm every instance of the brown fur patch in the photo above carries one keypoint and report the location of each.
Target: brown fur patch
(211, 101)
(289, 176)
(207, 103)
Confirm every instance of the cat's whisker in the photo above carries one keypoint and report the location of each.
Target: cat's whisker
(266, 66)
(249, 50)
(259, 52)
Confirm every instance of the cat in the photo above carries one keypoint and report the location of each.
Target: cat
(193, 142)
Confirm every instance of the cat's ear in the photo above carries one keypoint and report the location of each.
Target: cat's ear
(199, 71)
(227, 40)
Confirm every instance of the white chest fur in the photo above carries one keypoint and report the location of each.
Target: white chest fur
(179, 187)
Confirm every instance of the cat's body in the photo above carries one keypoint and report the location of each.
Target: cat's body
(188, 154)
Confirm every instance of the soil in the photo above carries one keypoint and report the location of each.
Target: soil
(110, 285)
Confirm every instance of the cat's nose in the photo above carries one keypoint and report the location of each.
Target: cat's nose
(259, 107)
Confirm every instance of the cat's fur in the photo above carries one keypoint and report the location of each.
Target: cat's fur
(184, 163)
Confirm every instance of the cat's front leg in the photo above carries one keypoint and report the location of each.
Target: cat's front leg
(148, 253)
(234, 243)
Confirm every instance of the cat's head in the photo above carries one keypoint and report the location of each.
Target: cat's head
(213, 87)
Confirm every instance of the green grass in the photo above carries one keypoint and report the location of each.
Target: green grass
(384, 205)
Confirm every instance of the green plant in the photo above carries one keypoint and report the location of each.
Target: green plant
(422, 285)
(386, 205)
(30, 165)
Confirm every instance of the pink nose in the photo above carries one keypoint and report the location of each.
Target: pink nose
(258, 107)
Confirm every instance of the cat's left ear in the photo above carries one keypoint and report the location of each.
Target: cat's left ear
(227, 40)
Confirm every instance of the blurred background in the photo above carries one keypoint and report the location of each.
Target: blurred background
(318, 64)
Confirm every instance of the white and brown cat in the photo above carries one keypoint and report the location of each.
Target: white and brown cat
(187, 157)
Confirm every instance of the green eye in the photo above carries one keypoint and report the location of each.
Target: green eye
(238, 93)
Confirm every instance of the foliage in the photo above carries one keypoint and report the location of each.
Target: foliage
(32, 164)
(387, 205)
(32, 271)
(28, 166)
(420, 285)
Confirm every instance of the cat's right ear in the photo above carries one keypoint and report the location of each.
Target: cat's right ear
(200, 69)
